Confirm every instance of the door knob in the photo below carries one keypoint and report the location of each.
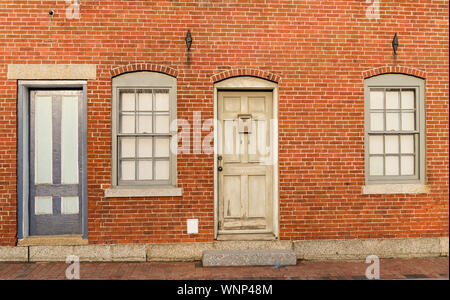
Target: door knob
(220, 169)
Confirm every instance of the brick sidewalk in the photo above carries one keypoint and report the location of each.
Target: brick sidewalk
(390, 269)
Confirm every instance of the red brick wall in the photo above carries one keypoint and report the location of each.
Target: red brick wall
(320, 49)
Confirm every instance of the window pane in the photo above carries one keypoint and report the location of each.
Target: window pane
(43, 205)
(128, 170)
(162, 170)
(127, 147)
(392, 99)
(376, 144)
(376, 166)
(145, 147)
(408, 99)
(376, 100)
(43, 140)
(391, 144)
(127, 123)
(392, 121)
(69, 140)
(70, 205)
(127, 102)
(408, 121)
(407, 143)
(391, 165)
(145, 170)
(407, 165)
(145, 101)
(376, 122)
(162, 124)
(145, 124)
(162, 101)
(162, 147)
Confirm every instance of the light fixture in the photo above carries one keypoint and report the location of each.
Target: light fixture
(395, 44)
(188, 40)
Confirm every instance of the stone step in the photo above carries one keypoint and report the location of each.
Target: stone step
(266, 257)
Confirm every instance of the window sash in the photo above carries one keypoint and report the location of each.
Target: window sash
(399, 154)
(400, 111)
(416, 133)
(136, 112)
(136, 157)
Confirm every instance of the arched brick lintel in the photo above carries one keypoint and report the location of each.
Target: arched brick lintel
(395, 69)
(245, 72)
(144, 67)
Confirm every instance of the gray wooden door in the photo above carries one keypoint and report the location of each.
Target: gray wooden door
(55, 162)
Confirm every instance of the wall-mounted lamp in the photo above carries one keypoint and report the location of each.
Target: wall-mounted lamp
(188, 40)
(395, 44)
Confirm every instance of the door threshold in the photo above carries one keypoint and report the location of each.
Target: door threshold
(53, 240)
(247, 237)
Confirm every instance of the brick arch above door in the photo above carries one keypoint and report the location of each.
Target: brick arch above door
(246, 72)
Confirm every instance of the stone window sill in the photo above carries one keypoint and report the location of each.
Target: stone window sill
(385, 189)
(122, 192)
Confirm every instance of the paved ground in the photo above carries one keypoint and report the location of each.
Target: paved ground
(436, 268)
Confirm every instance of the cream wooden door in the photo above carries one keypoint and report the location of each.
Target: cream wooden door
(244, 162)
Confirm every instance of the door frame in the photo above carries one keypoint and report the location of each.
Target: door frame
(248, 83)
(23, 174)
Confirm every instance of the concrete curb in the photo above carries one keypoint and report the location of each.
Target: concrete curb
(268, 257)
(444, 246)
(309, 250)
(360, 249)
(177, 252)
(129, 253)
(194, 251)
(19, 254)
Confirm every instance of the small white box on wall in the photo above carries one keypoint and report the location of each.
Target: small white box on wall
(192, 226)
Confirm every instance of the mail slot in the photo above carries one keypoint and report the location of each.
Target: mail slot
(245, 123)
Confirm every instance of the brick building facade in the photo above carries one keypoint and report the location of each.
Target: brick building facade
(320, 64)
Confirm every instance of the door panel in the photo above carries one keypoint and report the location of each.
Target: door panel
(232, 196)
(55, 162)
(256, 196)
(245, 182)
